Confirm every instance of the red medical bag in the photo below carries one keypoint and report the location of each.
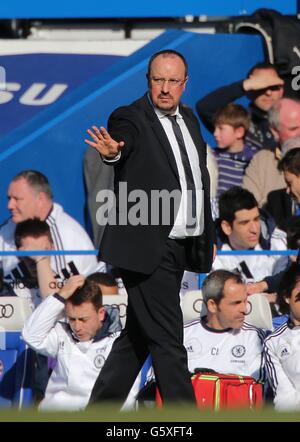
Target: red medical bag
(220, 391)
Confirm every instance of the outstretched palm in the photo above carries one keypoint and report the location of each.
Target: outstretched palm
(103, 142)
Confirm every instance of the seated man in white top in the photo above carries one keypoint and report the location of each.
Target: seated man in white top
(81, 344)
(241, 227)
(222, 341)
(282, 350)
(30, 196)
(38, 277)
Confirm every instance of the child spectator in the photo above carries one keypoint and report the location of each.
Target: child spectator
(232, 153)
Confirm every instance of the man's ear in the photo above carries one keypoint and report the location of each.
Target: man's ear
(211, 306)
(101, 314)
(287, 300)
(226, 227)
(42, 197)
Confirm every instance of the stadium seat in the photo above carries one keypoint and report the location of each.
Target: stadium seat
(16, 365)
(119, 301)
(13, 312)
(192, 305)
(16, 359)
(259, 313)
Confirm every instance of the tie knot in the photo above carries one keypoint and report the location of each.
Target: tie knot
(172, 118)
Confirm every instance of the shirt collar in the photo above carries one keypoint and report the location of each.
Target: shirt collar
(213, 330)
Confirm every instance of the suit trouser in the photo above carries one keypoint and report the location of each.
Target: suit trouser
(154, 325)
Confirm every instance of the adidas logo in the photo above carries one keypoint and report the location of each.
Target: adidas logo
(284, 353)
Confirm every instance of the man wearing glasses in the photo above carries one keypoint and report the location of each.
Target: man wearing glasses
(155, 146)
(264, 87)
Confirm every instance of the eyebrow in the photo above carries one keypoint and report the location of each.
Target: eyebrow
(81, 317)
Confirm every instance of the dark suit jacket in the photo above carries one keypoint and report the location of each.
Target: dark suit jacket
(147, 162)
(280, 205)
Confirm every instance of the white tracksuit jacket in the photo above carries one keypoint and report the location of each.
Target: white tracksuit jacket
(78, 363)
(282, 359)
(225, 351)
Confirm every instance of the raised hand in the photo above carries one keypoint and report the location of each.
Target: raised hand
(256, 287)
(73, 283)
(103, 142)
(256, 82)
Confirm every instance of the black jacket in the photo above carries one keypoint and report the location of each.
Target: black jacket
(147, 163)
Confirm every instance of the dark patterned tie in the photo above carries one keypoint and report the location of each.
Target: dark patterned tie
(187, 171)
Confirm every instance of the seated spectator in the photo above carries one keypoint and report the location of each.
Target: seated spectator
(80, 345)
(30, 196)
(263, 86)
(280, 205)
(222, 340)
(281, 349)
(232, 153)
(270, 284)
(262, 175)
(240, 227)
(34, 234)
(106, 282)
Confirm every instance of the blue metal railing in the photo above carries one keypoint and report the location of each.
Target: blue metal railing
(95, 252)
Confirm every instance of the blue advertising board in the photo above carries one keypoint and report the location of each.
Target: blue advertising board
(136, 8)
(36, 81)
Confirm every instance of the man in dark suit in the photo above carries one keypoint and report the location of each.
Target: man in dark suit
(154, 242)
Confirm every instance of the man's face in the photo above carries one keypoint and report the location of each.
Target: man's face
(289, 120)
(30, 243)
(265, 98)
(245, 230)
(23, 201)
(166, 95)
(231, 310)
(294, 304)
(293, 185)
(84, 320)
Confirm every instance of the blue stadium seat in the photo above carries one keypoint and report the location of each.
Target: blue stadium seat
(16, 364)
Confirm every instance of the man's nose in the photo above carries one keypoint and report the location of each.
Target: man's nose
(244, 307)
(10, 204)
(165, 87)
(254, 227)
(76, 326)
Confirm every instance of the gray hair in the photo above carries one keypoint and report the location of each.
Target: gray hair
(36, 180)
(273, 115)
(213, 285)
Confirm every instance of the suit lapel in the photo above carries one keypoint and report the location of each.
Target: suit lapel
(165, 144)
(160, 134)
